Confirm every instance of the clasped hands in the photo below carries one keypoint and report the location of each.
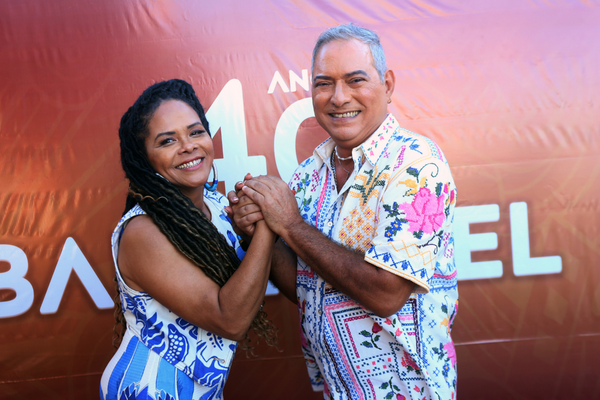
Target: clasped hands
(263, 197)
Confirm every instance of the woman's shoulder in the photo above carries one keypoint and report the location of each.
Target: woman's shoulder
(140, 221)
(142, 229)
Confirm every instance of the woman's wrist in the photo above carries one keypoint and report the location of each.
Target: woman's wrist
(244, 244)
(260, 225)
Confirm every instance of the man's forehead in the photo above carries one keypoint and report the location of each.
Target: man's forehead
(354, 50)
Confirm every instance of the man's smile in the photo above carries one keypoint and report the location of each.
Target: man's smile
(348, 114)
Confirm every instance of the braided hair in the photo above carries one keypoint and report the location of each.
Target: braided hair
(185, 225)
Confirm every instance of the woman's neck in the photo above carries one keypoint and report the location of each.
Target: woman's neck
(197, 197)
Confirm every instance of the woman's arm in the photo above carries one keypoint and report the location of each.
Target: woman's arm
(149, 262)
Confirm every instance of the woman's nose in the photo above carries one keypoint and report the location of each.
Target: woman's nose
(188, 145)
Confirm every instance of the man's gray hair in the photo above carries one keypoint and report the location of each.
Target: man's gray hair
(351, 31)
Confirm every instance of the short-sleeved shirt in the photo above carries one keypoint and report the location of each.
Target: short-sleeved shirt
(396, 208)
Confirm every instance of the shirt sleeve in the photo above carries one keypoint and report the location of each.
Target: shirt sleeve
(414, 218)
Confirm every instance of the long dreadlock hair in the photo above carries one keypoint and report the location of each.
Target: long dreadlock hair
(190, 231)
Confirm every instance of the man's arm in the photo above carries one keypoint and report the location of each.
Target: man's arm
(283, 270)
(378, 290)
(244, 214)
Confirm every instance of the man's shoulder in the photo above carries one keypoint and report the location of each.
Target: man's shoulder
(413, 144)
(306, 167)
(310, 161)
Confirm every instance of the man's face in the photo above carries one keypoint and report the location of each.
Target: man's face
(349, 99)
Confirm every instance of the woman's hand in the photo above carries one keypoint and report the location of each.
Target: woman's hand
(242, 211)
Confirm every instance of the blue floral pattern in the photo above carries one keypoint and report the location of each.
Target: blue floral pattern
(163, 356)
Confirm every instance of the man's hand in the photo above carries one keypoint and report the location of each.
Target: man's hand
(376, 289)
(276, 200)
(242, 211)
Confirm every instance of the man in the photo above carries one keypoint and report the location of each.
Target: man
(367, 250)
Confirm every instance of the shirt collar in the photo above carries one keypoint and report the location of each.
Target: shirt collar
(372, 148)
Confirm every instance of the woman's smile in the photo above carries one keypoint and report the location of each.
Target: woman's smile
(189, 165)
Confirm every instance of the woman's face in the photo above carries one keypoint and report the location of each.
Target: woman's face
(179, 148)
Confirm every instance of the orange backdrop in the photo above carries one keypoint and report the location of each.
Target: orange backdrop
(509, 89)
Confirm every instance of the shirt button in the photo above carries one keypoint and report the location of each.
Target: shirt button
(330, 224)
(320, 311)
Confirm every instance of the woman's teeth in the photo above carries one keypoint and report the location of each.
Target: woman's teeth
(190, 164)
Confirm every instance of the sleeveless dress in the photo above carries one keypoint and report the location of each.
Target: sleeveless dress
(162, 356)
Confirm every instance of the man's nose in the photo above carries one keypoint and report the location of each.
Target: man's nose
(341, 95)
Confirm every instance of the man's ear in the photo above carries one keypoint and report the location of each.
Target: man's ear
(389, 80)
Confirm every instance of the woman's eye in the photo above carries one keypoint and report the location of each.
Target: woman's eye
(166, 141)
(198, 132)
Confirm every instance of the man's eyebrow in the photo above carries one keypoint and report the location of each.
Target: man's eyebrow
(357, 72)
(346, 75)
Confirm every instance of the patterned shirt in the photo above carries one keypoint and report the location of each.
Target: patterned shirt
(396, 208)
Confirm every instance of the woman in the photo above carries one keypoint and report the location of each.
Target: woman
(186, 297)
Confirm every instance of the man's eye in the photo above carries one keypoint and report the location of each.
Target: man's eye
(321, 84)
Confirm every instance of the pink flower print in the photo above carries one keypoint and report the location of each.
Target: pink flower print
(388, 321)
(376, 328)
(449, 348)
(446, 186)
(454, 313)
(303, 341)
(452, 194)
(398, 332)
(425, 213)
(373, 336)
(409, 363)
(400, 397)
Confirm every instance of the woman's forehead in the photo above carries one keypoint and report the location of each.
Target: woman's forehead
(171, 115)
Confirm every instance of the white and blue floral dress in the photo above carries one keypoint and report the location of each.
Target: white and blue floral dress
(162, 356)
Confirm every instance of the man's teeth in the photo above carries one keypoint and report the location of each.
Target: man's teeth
(346, 114)
(190, 164)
